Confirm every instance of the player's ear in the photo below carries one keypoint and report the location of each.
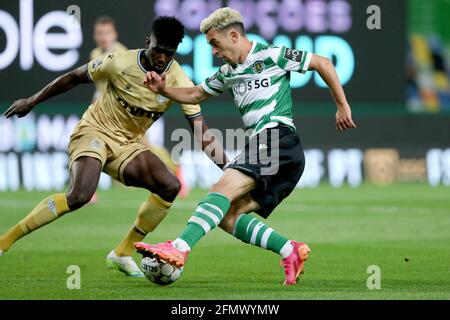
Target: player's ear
(234, 36)
(147, 42)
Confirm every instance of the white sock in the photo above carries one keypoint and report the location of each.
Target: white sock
(181, 245)
(286, 250)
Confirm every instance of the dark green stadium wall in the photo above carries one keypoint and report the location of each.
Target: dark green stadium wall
(429, 17)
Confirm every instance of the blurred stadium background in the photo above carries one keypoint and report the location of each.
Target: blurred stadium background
(396, 79)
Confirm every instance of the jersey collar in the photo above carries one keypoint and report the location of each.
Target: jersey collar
(254, 43)
(139, 61)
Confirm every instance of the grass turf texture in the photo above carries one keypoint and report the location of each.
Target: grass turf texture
(347, 230)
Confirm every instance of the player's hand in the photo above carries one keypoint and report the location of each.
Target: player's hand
(155, 82)
(344, 118)
(20, 108)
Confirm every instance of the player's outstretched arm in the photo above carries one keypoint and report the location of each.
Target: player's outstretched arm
(210, 143)
(192, 95)
(64, 83)
(326, 69)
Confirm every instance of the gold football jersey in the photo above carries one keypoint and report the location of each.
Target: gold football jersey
(97, 53)
(128, 108)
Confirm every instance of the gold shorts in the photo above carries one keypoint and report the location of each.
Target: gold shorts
(87, 141)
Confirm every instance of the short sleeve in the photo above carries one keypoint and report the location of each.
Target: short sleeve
(214, 85)
(183, 81)
(102, 67)
(291, 59)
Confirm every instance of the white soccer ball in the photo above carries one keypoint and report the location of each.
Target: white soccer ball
(159, 271)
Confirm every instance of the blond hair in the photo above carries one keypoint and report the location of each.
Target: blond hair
(220, 19)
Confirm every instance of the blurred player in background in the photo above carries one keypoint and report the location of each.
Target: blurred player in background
(105, 37)
(107, 137)
(258, 77)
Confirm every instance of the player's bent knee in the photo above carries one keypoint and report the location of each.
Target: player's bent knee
(170, 191)
(222, 188)
(78, 199)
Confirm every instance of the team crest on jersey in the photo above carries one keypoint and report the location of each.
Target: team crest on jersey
(258, 66)
(96, 63)
(293, 55)
(95, 144)
(161, 99)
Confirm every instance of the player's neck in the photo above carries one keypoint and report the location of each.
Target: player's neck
(246, 48)
(145, 61)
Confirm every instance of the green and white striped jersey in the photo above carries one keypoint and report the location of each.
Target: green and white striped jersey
(260, 86)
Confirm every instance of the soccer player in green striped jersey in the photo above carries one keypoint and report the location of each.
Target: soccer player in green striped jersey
(258, 77)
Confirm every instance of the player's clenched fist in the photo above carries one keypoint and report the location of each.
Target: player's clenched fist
(20, 108)
(155, 82)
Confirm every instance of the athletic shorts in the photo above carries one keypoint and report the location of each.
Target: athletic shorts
(275, 159)
(88, 141)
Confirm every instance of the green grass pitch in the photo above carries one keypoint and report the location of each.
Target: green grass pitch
(347, 229)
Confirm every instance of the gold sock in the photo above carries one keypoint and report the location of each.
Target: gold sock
(49, 209)
(150, 214)
(11, 236)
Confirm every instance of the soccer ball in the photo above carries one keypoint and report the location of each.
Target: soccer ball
(159, 271)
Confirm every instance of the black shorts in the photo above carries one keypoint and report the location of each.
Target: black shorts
(275, 159)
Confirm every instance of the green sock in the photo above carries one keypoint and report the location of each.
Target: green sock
(250, 230)
(207, 216)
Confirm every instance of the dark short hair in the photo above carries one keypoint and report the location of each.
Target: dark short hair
(105, 20)
(168, 30)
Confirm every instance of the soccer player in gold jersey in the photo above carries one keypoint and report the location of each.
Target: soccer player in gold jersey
(107, 138)
(106, 36)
